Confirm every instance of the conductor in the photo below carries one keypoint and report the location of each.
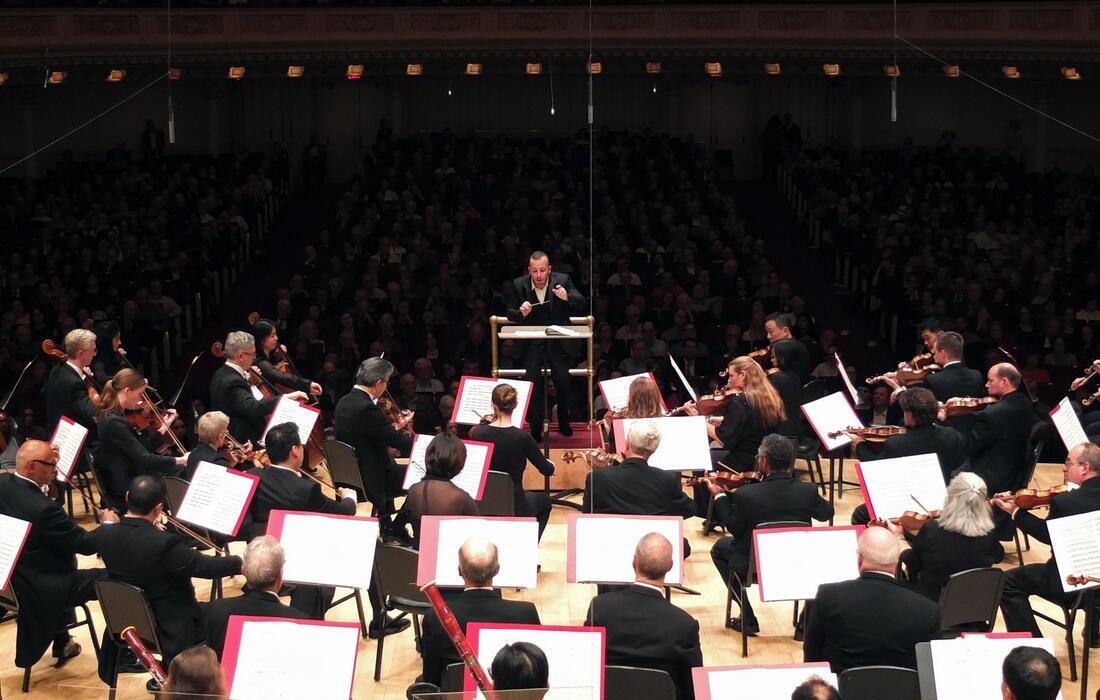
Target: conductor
(542, 297)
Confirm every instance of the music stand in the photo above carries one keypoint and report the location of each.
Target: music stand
(502, 328)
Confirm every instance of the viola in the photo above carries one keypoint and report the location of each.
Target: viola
(50, 349)
(733, 481)
(874, 433)
(964, 405)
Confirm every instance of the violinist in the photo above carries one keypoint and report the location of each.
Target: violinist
(643, 400)
(67, 387)
(231, 390)
(780, 326)
(785, 380)
(1081, 467)
(780, 496)
(269, 355)
(212, 431)
(360, 422)
(954, 379)
(121, 456)
(960, 538)
(755, 410)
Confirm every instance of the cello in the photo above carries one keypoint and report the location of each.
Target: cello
(50, 349)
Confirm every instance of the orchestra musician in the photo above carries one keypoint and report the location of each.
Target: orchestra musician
(785, 380)
(232, 393)
(1081, 467)
(954, 379)
(359, 422)
(513, 449)
(120, 455)
(211, 431)
(66, 391)
(643, 400)
(46, 578)
(929, 330)
(267, 346)
(780, 496)
(779, 326)
(108, 360)
(543, 297)
(436, 494)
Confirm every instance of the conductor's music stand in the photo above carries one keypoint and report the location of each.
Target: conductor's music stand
(583, 328)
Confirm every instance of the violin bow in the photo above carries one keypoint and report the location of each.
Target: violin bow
(7, 399)
(187, 376)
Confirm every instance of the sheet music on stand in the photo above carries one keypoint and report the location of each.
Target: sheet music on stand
(218, 498)
(475, 400)
(684, 446)
(792, 562)
(892, 486)
(847, 380)
(766, 682)
(575, 654)
(291, 411)
(969, 668)
(318, 545)
(601, 547)
(278, 659)
(13, 535)
(1075, 541)
(68, 438)
(616, 391)
(831, 414)
(1068, 424)
(474, 472)
(441, 536)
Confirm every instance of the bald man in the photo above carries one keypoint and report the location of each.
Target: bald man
(645, 630)
(46, 579)
(478, 602)
(871, 620)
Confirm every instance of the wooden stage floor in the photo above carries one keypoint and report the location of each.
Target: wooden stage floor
(558, 603)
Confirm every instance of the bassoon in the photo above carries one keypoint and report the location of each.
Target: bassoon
(462, 645)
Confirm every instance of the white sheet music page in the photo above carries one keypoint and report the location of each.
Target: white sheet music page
(847, 380)
(891, 485)
(517, 541)
(684, 446)
(969, 668)
(616, 391)
(1068, 424)
(472, 477)
(601, 547)
(791, 565)
(327, 550)
(683, 380)
(13, 533)
(575, 656)
(756, 682)
(830, 414)
(1075, 541)
(291, 411)
(216, 498)
(283, 660)
(475, 399)
(69, 439)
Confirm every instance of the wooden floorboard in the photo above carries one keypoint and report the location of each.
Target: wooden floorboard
(557, 601)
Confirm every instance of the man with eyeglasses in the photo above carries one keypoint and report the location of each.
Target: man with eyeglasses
(1082, 465)
(46, 579)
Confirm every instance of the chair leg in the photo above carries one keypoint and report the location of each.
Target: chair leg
(91, 629)
(1027, 542)
(707, 527)
(1071, 651)
(362, 617)
(114, 679)
(794, 616)
(820, 474)
(378, 653)
(1019, 552)
(26, 679)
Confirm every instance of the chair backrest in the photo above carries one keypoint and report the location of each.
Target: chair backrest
(343, 465)
(8, 601)
(125, 606)
(499, 495)
(638, 683)
(879, 683)
(971, 596)
(819, 388)
(770, 525)
(175, 489)
(452, 678)
(395, 573)
(1035, 441)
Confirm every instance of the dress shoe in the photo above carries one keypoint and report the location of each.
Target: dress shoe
(799, 633)
(70, 651)
(753, 629)
(398, 536)
(393, 625)
(565, 429)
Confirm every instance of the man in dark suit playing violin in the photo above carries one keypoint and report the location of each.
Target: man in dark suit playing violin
(231, 392)
(66, 389)
(1081, 468)
(542, 297)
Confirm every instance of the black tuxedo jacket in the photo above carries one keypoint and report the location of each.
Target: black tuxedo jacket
(66, 394)
(252, 603)
(787, 384)
(936, 554)
(946, 442)
(120, 456)
(778, 497)
(478, 605)
(282, 489)
(162, 565)
(955, 380)
(646, 631)
(1083, 500)
(360, 423)
(556, 312)
(231, 394)
(635, 488)
(998, 442)
(869, 621)
(45, 574)
(202, 453)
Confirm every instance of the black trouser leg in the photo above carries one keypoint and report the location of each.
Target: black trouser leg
(538, 505)
(312, 600)
(1020, 584)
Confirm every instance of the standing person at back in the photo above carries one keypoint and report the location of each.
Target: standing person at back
(512, 450)
(66, 390)
(542, 297)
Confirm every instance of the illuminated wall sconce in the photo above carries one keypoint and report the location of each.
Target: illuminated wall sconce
(653, 68)
(116, 75)
(414, 69)
(595, 68)
(952, 71)
(772, 68)
(713, 69)
(236, 72)
(354, 71)
(1070, 73)
(473, 69)
(1011, 72)
(831, 69)
(57, 77)
(534, 68)
(175, 73)
(891, 71)
(295, 71)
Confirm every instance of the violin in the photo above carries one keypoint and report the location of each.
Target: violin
(964, 405)
(735, 480)
(762, 356)
(1090, 373)
(874, 433)
(400, 420)
(1081, 580)
(913, 521)
(594, 457)
(906, 374)
(921, 361)
(1088, 400)
(710, 404)
(50, 349)
(1029, 499)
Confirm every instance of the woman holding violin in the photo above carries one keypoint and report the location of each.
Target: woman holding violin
(960, 538)
(120, 454)
(212, 446)
(274, 363)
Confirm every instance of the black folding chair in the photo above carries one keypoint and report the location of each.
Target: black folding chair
(1069, 618)
(970, 601)
(879, 683)
(638, 683)
(10, 603)
(499, 495)
(452, 678)
(1036, 440)
(343, 466)
(395, 584)
(125, 606)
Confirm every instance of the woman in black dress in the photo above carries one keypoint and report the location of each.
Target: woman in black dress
(436, 494)
(267, 346)
(512, 449)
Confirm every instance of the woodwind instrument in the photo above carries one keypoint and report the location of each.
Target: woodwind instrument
(462, 645)
(133, 640)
